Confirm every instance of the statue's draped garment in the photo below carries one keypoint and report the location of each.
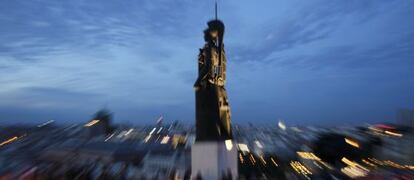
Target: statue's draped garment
(213, 118)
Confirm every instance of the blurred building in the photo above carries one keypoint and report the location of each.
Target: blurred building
(396, 142)
(100, 124)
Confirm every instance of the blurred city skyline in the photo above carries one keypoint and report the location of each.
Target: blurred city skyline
(308, 63)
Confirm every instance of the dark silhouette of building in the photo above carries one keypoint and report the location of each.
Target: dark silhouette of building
(100, 124)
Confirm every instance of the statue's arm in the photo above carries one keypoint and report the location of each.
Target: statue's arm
(203, 69)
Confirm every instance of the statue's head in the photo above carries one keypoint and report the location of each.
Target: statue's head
(214, 31)
(216, 25)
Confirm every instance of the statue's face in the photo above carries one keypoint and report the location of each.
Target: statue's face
(214, 34)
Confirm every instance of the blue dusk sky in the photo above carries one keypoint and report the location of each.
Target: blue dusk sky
(319, 62)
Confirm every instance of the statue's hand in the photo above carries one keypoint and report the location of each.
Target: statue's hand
(196, 87)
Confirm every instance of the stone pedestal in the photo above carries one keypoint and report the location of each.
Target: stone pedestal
(212, 160)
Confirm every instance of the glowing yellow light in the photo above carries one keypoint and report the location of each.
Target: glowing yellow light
(369, 163)
(390, 163)
(353, 164)
(262, 159)
(393, 133)
(91, 123)
(352, 143)
(273, 161)
(374, 128)
(376, 161)
(229, 144)
(308, 155)
(8, 141)
(393, 164)
(241, 158)
(299, 168)
(353, 172)
(348, 162)
(252, 159)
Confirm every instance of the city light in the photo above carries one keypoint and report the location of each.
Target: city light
(243, 147)
(129, 132)
(91, 123)
(159, 130)
(308, 155)
(281, 125)
(8, 141)
(393, 134)
(352, 142)
(229, 144)
(147, 138)
(46, 123)
(299, 168)
(273, 161)
(388, 163)
(109, 137)
(348, 162)
(241, 158)
(394, 164)
(353, 169)
(353, 164)
(152, 131)
(368, 163)
(252, 159)
(165, 140)
(262, 159)
(258, 144)
(353, 172)
(376, 161)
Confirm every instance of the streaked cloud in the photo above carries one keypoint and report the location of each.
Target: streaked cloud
(309, 62)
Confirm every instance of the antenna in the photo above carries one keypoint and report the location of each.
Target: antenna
(216, 8)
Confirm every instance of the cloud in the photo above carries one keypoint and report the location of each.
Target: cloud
(140, 57)
(40, 24)
(46, 97)
(311, 28)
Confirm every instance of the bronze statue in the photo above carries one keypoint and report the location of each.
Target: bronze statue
(212, 106)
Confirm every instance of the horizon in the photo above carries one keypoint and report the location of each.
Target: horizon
(319, 63)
